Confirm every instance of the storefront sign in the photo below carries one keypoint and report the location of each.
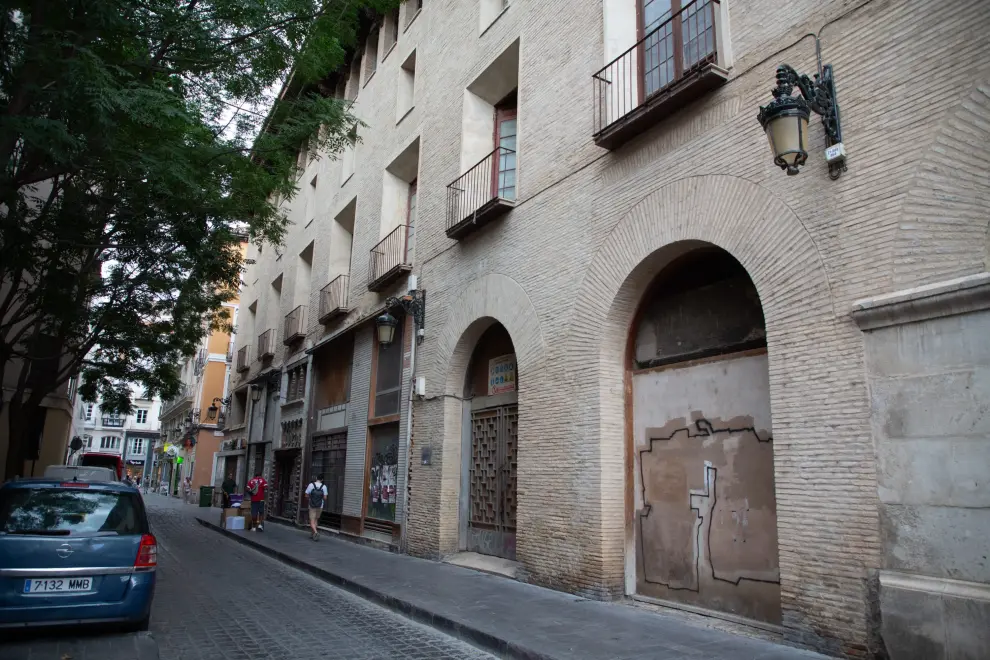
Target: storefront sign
(135, 461)
(502, 374)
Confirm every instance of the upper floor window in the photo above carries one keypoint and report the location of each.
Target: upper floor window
(413, 8)
(670, 46)
(391, 30)
(505, 143)
(142, 416)
(137, 446)
(87, 441)
(296, 387)
(113, 419)
(87, 412)
(371, 55)
(109, 442)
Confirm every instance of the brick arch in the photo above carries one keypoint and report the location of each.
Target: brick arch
(486, 300)
(942, 231)
(481, 303)
(811, 353)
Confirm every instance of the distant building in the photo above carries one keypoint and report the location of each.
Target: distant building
(193, 421)
(127, 436)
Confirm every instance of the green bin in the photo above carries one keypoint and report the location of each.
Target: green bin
(206, 496)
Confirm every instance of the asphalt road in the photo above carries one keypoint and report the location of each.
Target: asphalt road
(219, 600)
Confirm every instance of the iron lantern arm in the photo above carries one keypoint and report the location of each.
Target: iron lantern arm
(818, 93)
(413, 304)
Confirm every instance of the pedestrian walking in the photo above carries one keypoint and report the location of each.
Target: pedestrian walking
(317, 493)
(256, 489)
(227, 488)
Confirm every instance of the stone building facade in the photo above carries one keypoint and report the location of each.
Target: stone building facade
(654, 366)
(192, 422)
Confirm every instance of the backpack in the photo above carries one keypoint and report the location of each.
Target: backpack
(316, 496)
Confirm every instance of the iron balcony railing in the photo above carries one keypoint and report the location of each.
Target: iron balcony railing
(389, 258)
(481, 189)
(295, 325)
(684, 42)
(266, 344)
(243, 358)
(333, 298)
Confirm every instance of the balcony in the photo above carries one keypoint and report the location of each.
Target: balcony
(266, 345)
(113, 422)
(295, 325)
(479, 195)
(333, 299)
(673, 65)
(243, 358)
(389, 259)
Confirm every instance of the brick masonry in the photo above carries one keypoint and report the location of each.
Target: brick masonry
(566, 268)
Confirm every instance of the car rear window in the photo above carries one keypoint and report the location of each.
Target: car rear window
(75, 511)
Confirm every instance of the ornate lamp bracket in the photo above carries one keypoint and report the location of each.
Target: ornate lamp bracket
(414, 304)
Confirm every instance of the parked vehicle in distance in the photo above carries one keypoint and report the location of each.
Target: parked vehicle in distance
(75, 552)
(97, 459)
(79, 473)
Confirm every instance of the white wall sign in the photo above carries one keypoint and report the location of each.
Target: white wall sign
(502, 374)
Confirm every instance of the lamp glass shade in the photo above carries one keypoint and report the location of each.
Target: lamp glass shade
(386, 324)
(788, 136)
(256, 394)
(211, 412)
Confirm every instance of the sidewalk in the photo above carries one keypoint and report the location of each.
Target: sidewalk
(510, 618)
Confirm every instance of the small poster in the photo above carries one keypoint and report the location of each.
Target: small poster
(502, 374)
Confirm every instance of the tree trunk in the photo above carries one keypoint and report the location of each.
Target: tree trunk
(17, 427)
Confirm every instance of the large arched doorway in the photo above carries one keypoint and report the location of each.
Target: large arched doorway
(489, 447)
(705, 519)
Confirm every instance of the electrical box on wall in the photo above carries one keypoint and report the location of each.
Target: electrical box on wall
(420, 386)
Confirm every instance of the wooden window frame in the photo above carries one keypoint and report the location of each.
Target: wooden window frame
(505, 111)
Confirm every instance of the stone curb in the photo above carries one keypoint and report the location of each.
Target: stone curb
(466, 632)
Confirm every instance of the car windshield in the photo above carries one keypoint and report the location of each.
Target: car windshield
(69, 511)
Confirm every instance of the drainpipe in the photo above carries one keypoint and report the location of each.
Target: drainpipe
(247, 438)
(409, 426)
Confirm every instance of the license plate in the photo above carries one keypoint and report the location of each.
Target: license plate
(58, 585)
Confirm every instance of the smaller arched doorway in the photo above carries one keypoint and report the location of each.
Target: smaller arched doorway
(489, 447)
(705, 519)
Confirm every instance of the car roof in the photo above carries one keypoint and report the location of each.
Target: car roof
(36, 482)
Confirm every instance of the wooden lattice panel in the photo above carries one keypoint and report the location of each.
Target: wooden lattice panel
(494, 439)
(484, 467)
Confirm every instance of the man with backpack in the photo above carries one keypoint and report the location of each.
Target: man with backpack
(256, 489)
(316, 491)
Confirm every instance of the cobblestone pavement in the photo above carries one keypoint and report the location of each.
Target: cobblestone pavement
(219, 600)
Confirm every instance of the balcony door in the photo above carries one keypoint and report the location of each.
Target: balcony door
(504, 181)
(672, 48)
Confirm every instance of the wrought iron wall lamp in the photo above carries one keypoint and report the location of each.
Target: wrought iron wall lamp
(414, 304)
(785, 119)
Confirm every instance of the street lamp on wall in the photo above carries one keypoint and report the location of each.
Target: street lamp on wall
(256, 393)
(386, 324)
(414, 304)
(785, 119)
(213, 410)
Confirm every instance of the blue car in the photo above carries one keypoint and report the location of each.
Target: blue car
(75, 552)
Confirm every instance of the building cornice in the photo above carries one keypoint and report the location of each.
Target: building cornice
(961, 295)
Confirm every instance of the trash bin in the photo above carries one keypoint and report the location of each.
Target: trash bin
(206, 496)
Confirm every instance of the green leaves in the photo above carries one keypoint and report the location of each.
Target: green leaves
(135, 160)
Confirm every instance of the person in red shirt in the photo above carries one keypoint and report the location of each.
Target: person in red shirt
(256, 489)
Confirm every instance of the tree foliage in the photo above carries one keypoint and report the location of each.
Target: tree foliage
(140, 144)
